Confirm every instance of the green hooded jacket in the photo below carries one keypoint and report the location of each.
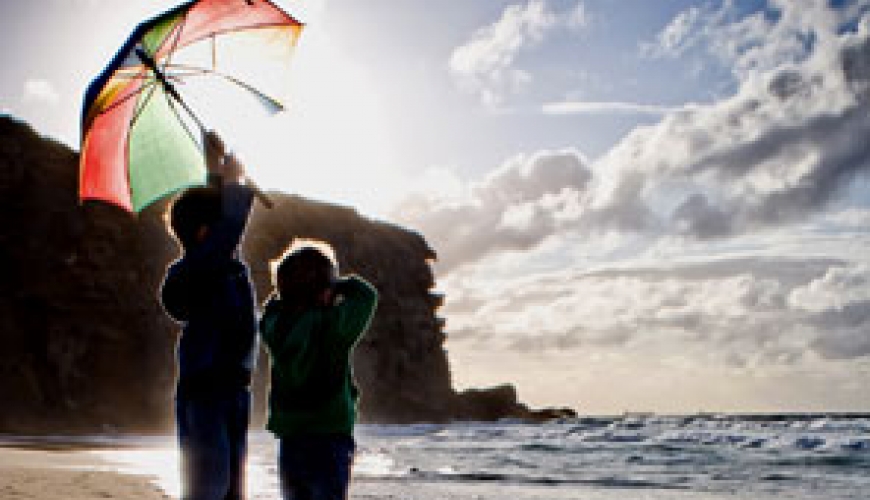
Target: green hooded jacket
(312, 389)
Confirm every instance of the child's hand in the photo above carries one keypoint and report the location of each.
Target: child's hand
(218, 162)
(214, 150)
(233, 170)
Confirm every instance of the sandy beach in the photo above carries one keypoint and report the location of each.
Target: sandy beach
(29, 474)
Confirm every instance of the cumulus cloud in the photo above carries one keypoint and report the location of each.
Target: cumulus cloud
(837, 289)
(485, 64)
(783, 147)
(40, 91)
(780, 152)
(697, 216)
(790, 141)
(741, 311)
(515, 207)
(844, 332)
(757, 42)
(683, 32)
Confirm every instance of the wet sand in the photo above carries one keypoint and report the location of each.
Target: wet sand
(49, 474)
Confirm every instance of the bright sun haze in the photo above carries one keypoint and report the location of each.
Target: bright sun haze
(332, 142)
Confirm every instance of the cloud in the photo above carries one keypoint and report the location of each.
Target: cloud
(839, 287)
(845, 332)
(856, 218)
(682, 33)
(485, 64)
(40, 91)
(697, 217)
(742, 312)
(515, 207)
(784, 146)
(578, 17)
(783, 33)
(769, 161)
(838, 306)
(590, 108)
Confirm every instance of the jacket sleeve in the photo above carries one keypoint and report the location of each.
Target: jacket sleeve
(224, 235)
(274, 328)
(268, 323)
(288, 351)
(354, 310)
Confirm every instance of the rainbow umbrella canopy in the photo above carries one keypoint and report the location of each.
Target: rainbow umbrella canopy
(140, 139)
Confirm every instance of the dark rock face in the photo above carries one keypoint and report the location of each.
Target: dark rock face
(87, 347)
(84, 339)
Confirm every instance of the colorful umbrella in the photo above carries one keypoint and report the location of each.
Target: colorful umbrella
(140, 139)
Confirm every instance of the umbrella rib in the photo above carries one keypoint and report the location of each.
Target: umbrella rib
(179, 75)
(177, 78)
(197, 71)
(183, 72)
(188, 67)
(251, 89)
(123, 100)
(151, 89)
(128, 75)
(183, 123)
(176, 75)
(171, 52)
(176, 36)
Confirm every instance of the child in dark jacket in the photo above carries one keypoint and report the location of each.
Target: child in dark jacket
(310, 327)
(209, 292)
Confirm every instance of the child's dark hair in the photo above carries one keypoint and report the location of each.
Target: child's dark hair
(304, 271)
(194, 208)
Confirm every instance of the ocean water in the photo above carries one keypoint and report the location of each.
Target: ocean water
(644, 456)
(629, 457)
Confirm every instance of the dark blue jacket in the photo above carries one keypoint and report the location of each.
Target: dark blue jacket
(209, 291)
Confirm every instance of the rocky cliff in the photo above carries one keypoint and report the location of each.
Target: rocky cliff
(86, 346)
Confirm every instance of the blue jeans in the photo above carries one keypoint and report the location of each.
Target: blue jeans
(212, 435)
(315, 467)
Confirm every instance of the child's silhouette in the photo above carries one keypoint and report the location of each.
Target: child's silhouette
(310, 327)
(209, 292)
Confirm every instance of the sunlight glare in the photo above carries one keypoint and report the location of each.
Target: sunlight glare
(161, 464)
(332, 143)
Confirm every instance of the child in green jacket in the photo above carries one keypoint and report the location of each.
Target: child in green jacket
(310, 327)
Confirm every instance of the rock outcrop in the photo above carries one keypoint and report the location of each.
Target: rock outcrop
(87, 347)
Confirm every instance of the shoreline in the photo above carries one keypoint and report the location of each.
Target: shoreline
(761, 457)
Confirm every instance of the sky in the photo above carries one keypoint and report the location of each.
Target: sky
(637, 206)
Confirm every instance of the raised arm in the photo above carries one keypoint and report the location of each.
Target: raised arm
(225, 176)
(354, 309)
